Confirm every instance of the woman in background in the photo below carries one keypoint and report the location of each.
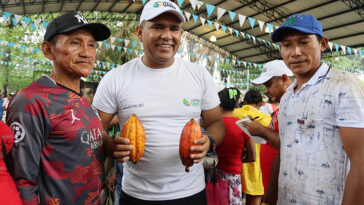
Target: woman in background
(231, 149)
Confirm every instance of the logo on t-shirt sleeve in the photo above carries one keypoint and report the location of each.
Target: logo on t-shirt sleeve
(18, 131)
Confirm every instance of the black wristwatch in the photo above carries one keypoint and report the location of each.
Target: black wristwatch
(212, 144)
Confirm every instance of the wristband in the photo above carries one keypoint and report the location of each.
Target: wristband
(264, 203)
(212, 144)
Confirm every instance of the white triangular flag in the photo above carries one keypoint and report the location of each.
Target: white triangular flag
(253, 37)
(136, 52)
(241, 19)
(210, 58)
(112, 39)
(203, 20)
(244, 63)
(356, 51)
(188, 15)
(230, 30)
(124, 49)
(100, 43)
(193, 4)
(330, 45)
(113, 46)
(242, 34)
(220, 12)
(17, 17)
(343, 48)
(23, 23)
(199, 4)
(126, 41)
(36, 22)
(217, 25)
(261, 24)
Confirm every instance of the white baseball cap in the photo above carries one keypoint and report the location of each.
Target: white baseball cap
(155, 8)
(270, 70)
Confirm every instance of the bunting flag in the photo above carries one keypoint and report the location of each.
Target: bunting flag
(210, 23)
(261, 25)
(195, 17)
(232, 15)
(199, 4)
(210, 8)
(343, 48)
(188, 15)
(179, 2)
(203, 20)
(193, 4)
(220, 12)
(223, 28)
(330, 46)
(252, 22)
(217, 25)
(336, 47)
(241, 19)
(270, 27)
(7, 15)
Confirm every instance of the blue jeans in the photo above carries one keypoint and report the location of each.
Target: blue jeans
(119, 177)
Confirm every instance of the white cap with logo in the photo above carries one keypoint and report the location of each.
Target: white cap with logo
(270, 70)
(155, 8)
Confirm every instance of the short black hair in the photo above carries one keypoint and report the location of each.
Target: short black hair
(229, 101)
(253, 97)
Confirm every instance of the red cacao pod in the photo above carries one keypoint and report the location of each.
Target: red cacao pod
(134, 131)
(190, 133)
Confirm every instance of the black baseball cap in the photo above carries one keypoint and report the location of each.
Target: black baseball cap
(72, 21)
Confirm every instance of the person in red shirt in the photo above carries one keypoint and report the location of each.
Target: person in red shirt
(8, 191)
(231, 149)
(276, 77)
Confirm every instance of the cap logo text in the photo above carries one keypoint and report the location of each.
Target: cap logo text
(163, 4)
(80, 18)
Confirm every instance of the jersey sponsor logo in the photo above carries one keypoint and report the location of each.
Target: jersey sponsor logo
(93, 138)
(191, 102)
(133, 106)
(74, 117)
(18, 130)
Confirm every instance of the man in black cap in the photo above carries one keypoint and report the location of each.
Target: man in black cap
(321, 125)
(58, 155)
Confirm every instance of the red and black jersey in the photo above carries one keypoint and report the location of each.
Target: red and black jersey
(57, 156)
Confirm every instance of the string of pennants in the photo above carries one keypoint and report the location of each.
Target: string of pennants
(235, 78)
(196, 5)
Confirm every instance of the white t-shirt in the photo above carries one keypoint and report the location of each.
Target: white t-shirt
(164, 101)
(314, 164)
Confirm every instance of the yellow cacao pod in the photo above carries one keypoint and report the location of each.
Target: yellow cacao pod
(190, 133)
(134, 131)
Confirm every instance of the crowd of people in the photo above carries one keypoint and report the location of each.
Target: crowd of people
(61, 143)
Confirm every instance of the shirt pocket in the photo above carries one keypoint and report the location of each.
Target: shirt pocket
(309, 135)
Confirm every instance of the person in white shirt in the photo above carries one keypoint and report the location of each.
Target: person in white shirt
(165, 93)
(321, 123)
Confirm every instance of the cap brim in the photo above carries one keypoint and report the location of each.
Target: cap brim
(172, 11)
(277, 34)
(98, 30)
(261, 80)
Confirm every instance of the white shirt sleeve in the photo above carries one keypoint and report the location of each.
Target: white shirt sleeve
(350, 102)
(105, 98)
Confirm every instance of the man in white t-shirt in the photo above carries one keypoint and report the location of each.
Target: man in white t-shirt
(165, 93)
(321, 123)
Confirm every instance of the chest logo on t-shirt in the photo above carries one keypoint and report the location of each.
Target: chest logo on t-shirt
(74, 117)
(191, 102)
